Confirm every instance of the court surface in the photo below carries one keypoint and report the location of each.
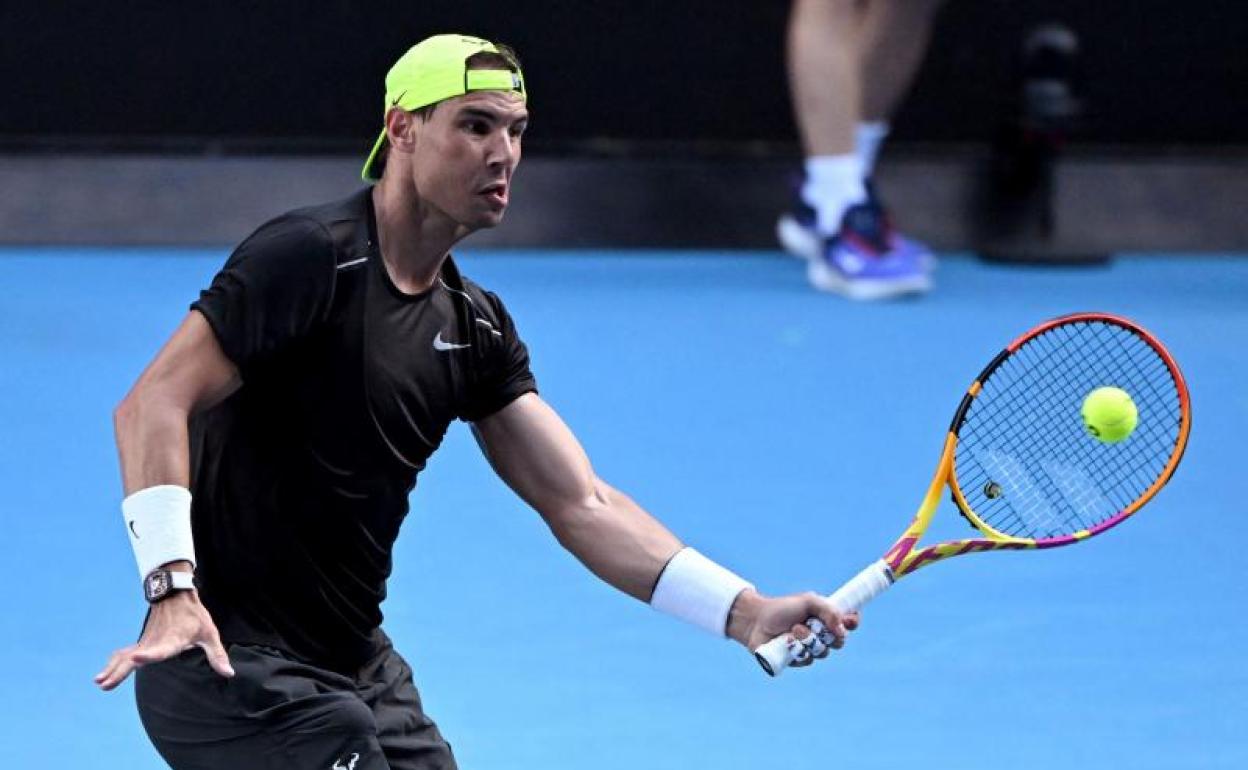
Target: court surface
(786, 434)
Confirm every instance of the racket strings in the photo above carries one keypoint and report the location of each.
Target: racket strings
(1051, 444)
(1024, 462)
(1138, 472)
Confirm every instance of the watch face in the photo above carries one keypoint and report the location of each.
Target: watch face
(157, 585)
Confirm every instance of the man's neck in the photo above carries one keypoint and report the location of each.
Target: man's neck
(414, 240)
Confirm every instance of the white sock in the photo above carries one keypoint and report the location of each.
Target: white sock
(867, 140)
(833, 184)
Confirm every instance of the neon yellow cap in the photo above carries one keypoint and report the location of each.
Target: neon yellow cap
(433, 70)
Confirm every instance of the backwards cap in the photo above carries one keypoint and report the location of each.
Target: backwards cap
(435, 69)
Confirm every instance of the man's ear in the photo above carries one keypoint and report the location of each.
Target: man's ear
(402, 129)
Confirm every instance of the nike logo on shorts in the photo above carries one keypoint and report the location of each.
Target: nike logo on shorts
(355, 757)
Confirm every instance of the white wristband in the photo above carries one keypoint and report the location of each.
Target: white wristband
(158, 521)
(697, 590)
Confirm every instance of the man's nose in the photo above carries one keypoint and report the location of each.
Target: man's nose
(502, 150)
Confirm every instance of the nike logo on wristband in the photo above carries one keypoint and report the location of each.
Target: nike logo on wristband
(136, 534)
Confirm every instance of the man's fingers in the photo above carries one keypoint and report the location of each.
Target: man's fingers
(801, 653)
(117, 675)
(831, 641)
(816, 645)
(833, 631)
(826, 636)
(127, 659)
(118, 668)
(114, 661)
(824, 630)
(809, 647)
(218, 658)
(835, 623)
(828, 627)
(210, 641)
(175, 626)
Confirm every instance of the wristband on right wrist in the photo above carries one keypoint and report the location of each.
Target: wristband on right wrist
(698, 591)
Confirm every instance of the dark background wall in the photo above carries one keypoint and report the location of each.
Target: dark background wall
(288, 75)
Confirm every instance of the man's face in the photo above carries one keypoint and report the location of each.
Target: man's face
(465, 154)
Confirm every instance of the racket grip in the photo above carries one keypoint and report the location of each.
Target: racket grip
(776, 655)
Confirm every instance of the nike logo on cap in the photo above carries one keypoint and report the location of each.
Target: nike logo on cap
(441, 344)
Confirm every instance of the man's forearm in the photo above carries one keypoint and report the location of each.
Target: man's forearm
(617, 540)
(154, 450)
(153, 443)
(189, 374)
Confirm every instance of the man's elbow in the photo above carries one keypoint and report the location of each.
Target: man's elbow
(577, 513)
(144, 406)
(125, 414)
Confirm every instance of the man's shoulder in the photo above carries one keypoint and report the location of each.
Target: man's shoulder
(352, 208)
(344, 221)
(338, 227)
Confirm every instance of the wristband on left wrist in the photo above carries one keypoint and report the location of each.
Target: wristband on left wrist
(158, 522)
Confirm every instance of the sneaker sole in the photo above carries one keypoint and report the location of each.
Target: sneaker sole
(826, 279)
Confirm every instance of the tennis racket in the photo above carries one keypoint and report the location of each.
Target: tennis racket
(1020, 465)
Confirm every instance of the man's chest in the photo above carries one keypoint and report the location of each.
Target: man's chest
(387, 380)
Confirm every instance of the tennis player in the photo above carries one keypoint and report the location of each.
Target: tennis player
(269, 450)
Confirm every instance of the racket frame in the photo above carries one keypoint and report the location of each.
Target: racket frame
(902, 558)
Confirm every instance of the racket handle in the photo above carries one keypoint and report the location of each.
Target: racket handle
(776, 655)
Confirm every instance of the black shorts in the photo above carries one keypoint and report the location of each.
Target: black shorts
(278, 712)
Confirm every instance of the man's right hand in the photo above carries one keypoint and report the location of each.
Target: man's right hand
(178, 623)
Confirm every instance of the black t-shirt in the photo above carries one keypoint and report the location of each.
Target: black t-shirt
(301, 478)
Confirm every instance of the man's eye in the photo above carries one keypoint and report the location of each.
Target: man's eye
(478, 127)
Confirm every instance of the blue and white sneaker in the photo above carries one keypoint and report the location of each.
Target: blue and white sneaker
(797, 233)
(896, 240)
(863, 260)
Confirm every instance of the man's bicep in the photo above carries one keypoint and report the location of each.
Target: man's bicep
(191, 371)
(536, 454)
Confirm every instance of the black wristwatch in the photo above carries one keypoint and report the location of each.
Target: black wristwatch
(160, 584)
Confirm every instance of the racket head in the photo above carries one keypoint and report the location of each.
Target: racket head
(1025, 472)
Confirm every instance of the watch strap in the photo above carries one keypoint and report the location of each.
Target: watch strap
(160, 583)
(181, 581)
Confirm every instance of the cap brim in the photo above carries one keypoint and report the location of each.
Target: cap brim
(370, 173)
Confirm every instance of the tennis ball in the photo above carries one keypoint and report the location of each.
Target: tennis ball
(1109, 414)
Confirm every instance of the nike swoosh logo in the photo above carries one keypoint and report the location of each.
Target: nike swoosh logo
(136, 534)
(441, 344)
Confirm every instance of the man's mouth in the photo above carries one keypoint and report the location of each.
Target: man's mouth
(496, 193)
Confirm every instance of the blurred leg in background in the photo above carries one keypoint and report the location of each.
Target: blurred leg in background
(850, 63)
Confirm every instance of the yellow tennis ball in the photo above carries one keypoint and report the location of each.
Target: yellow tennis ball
(1109, 414)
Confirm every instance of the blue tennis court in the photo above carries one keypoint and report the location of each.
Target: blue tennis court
(785, 434)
